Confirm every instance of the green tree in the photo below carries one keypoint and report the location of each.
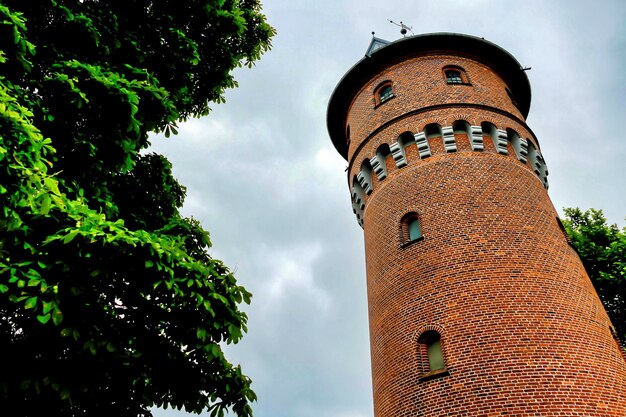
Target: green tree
(602, 249)
(109, 301)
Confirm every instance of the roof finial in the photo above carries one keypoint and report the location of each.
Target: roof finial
(403, 28)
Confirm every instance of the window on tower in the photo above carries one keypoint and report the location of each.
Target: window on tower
(455, 75)
(432, 130)
(410, 229)
(414, 229)
(383, 92)
(431, 355)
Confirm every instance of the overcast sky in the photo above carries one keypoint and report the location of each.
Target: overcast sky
(263, 177)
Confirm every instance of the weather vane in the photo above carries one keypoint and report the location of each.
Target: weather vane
(403, 28)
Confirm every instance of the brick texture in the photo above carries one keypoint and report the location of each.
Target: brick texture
(523, 332)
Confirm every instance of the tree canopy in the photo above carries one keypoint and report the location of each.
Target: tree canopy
(109, 300)
(602, 249)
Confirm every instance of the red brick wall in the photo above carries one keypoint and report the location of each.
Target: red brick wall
(420, 82)
(522, 329)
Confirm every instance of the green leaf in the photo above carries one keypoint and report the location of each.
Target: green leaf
(47, 306)
(70, 236)
(57, 317)
(65, 394)
(45, 204)
(200, 333)
(44, 318)
(30, 303)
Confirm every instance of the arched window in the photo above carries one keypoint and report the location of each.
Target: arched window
(431, 355)
(406, 138)
(433, 130)
(455, 75)
(461, 127)
(410, 229)
(383, 92)
(432, 342)
(415, 232)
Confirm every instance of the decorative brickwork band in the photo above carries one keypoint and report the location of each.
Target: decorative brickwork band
(477, 138)
(397, 152)
(422, 145)
(448, 139)
(525, 152)
(365, 180)
(358, 202)
(500, 140)
(521, 149)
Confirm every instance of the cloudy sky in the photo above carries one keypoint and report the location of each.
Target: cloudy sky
(265, 180)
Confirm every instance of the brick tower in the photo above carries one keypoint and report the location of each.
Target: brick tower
(477, 304)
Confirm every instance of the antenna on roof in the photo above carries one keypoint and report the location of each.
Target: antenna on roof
(403, 28)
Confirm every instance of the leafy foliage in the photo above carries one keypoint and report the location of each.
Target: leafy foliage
(602, 249)
(109, 301)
